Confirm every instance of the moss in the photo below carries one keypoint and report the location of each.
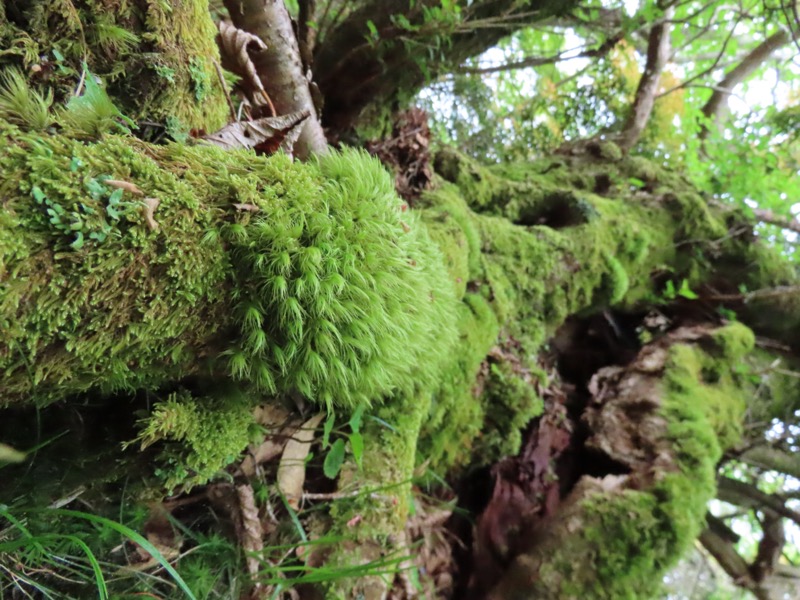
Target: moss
(329, 290)
(204, 435)
(457, 414)
(631, 536)
(131, 45)
(610, 151)
(616, 281)
(533, 277)
(342, 296)
(510, 402)
(644, 169)
(94, 299)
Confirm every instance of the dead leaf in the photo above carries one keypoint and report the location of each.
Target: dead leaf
(235, 46)
(246, 207)
(354, 521)
(150, 206)
(124, 185)
(292, 468)
(159, 532)
(267, 135)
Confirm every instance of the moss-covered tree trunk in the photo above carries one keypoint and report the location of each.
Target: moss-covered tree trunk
(187, 271)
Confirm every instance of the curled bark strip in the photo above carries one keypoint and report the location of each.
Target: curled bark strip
(124, 185)
(280, 67)
(235, 46)
(150, 206)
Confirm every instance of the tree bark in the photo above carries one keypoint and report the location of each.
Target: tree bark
(658, 50)
(280, 66)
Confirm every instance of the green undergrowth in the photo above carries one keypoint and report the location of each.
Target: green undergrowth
(634, 535)
(157, 57)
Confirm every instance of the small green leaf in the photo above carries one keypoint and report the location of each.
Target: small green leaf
(636, 182)
(115, 197)
(327, 428)
(373, 31)
(75, 164)
(78, 243)
(334, 460)
(38, 194)
(355, 419)
(686, 291)
(357, 447)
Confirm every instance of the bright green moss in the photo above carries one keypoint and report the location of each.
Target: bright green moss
(330, 289)
(203, 435)
(90, 296)
(457, 414)
(510, 402)
(342, 295)
(616, 281)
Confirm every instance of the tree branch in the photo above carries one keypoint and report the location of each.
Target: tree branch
(279, 66)
(371, 59)
(743, 494)
(717, 106)
(658, 49)
(306, 34)
(767, 216)
(773, 459)
(770, 547)
(535, 61)
(732, 563)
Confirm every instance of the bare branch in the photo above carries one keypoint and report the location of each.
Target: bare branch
(535, 61)
(732, 563)
(717, 106)
(762, 294)
(713, 65)
(770, 547)
(767, 216)
(280, 67)
(743, 494)
(658, 49)
(527, 62)
(773, 459)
